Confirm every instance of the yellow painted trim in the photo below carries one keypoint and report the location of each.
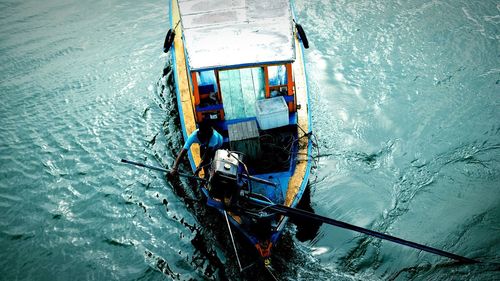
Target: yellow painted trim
(302, 121)
(183, 83)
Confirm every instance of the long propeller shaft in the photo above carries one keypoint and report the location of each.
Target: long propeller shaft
(292, 212)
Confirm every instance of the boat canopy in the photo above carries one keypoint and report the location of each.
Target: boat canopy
(233, 33)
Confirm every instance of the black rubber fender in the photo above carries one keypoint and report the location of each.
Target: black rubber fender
(169, 40)
(302, 35)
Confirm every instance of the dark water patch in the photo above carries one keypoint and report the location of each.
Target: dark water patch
(57, 216)
(15, 237)
(117, 243)
(144, 114)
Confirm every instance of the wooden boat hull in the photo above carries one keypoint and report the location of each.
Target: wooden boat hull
(292, 182)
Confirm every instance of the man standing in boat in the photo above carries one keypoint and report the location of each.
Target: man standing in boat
(208, 139)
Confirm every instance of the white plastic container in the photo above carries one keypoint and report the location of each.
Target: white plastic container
(272, 113)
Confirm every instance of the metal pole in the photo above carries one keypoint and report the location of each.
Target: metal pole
(160, 169)
(232, 240)
(288, 211)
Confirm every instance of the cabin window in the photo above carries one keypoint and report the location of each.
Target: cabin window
(207, 99)
(207, 86)
(240, 89)
(277, 80)
(207, 78)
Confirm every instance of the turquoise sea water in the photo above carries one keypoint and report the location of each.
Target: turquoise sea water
(405, 100)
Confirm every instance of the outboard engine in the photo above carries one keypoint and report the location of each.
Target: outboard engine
(224, 181)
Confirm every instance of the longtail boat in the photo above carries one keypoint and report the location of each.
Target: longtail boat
(240, 64)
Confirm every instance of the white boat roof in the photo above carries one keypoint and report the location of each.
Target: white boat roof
(228, 33)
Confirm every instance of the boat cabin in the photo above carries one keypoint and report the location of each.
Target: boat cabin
(235, 94)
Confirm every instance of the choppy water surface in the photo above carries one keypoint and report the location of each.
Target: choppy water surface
(405, 99)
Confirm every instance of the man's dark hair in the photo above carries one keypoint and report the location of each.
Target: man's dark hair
(205, 130)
